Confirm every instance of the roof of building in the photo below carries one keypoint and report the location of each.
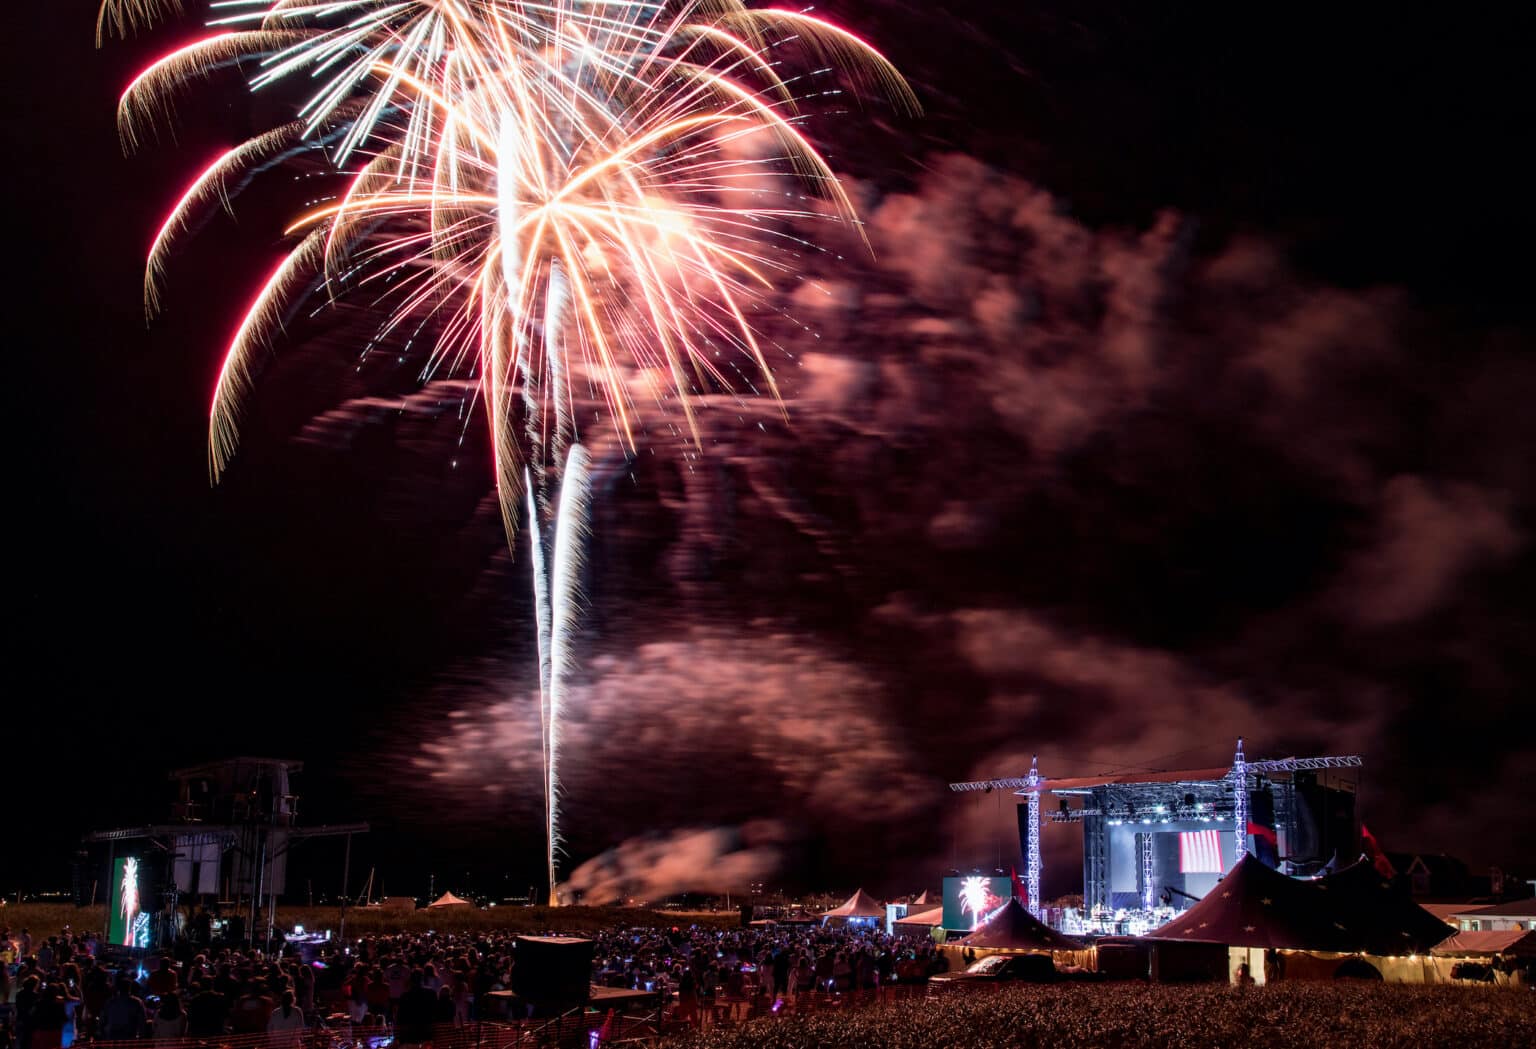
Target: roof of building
(1525, 908)
(1436, 865)
(1131, 778)
(1447, 911)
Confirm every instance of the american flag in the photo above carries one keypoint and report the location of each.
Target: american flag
(1200, 852)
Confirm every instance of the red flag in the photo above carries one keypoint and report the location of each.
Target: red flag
(1020, 893)
(1267, 833)
(1378, 858)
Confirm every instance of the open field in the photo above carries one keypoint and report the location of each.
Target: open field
(48, 918)
(1122, 1016)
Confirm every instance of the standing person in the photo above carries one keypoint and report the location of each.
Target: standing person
(398, 978)
(170, 1019)
(206, 1011)
(123, 1018)
(376, 994)
(463, 998)
(48, 1017)
(781, 970)
(287, 1021)
(26, 1001)
(69, 989)
(251, 1010)
(357, 995)
(94, 995)
(687, 996)
(304, 988)
(414, 1016)
(163, 980)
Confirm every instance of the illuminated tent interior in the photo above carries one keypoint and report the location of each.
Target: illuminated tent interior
(1352, 923)
(1351, 912)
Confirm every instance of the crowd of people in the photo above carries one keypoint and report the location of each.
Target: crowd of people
(774, 962)
(58, 990)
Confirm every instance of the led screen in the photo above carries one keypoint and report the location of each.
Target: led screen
(970, 899)
(127, 920)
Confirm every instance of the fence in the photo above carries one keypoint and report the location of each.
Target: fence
(582, 1027)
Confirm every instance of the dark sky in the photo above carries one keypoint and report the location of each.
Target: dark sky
(1188, 395)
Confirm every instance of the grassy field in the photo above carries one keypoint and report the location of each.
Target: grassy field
(1160, 1016)
(49, 918)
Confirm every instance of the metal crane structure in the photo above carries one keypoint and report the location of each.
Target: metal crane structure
(1131, 820)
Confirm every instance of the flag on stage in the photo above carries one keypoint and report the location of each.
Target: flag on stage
(1378, 858)
(1200, 852)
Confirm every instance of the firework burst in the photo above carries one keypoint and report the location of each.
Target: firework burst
(571, 192)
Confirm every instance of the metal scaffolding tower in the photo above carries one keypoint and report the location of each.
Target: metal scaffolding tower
(1032, 852)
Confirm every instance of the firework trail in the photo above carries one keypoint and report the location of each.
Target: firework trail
(565, 607)
(557, 607)
(569, 192)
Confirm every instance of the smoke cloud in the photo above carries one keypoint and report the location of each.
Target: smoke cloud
(1115, 496)
(657, 866)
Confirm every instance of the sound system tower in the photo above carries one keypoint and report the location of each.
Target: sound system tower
(553, 972)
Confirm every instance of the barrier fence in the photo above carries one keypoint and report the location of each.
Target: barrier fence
(583, 1027)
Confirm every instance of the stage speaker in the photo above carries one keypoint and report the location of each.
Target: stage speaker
(553, 969)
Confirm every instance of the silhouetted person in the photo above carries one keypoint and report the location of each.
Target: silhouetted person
(206, 1013)
(416, 1013)
(170, 1019)
(287, 1019)
(251, 1011)
(123, 1017)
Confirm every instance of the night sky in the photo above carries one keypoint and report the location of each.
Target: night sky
(1188, 395)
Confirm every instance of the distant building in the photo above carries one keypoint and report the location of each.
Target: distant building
(1437, 875)
(1501, 917)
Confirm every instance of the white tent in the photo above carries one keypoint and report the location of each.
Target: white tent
(860, 905)
(927, 919)
(448, 899)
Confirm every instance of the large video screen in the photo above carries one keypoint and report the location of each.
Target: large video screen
(127, 919)
(969, 900)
